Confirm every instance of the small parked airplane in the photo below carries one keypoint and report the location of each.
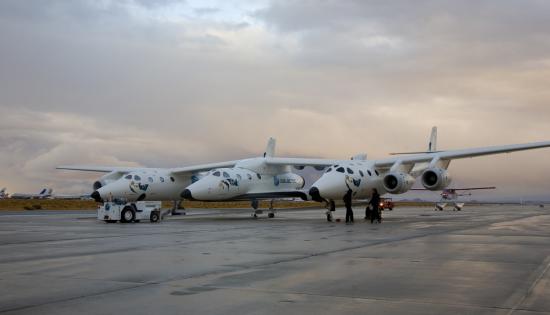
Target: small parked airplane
(451, 195)
(43, 194)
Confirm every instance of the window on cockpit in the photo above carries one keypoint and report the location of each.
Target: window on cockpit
(172, 179)
(340, 169)
(128, 177)
(216, 173)
(150, 179)
(226, 174)
(249, 176)
(350, 171)
(162, 179)
(376, 172)
(239, 177)
(370, 174)
(137, 177)
(259, 176)
(361, 173)
(329, 169)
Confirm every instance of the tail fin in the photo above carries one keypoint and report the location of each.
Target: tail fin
(270, 149)
(432, 146)
(43, 191)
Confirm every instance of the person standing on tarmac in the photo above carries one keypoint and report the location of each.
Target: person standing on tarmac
(375, 202)
(347, 203)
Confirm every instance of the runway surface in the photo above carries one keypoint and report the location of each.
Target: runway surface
(483, 260)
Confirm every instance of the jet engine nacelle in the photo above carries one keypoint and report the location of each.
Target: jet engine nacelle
(436, 179)
(398, 183)
(106, 179)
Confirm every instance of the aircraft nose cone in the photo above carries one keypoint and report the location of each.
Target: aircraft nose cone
(315, 194)
(96, 196)
(186, 194)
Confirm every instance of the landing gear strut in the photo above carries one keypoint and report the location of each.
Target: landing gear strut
(331, 207)
(271, 213)
(177, 205)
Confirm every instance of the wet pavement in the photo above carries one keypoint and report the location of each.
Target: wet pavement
(482, 260)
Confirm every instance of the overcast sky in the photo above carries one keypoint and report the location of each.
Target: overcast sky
(173, 83)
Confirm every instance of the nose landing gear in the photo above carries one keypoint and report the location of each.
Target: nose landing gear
(331, 207)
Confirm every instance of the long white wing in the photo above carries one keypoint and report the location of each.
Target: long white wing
(202, 167)
(461, 154)
(99, 169)
(301, 161)
(177, 170)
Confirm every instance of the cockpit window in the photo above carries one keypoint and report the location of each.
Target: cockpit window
(128, 177)
(150, 179)
(370, 174)
(361, 173)
(162, 179)
(239, 177)
(216, 173)
(350, 171)
(249, 176)
(329, 169)
(259, 176)
(172, 179)
(225, 174)
(136, 177)
(377, 174)
(340, 169)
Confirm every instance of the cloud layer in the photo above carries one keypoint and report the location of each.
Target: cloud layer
(168, 83)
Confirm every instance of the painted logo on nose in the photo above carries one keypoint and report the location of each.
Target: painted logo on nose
(136, 187)
(352, 181)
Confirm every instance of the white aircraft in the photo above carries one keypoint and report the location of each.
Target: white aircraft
(3, 193)
(395, 175)
(248, 179)
(451, 195)
(72, 197)
(43, 194)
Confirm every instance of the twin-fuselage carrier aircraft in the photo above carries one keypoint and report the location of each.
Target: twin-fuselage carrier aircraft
(270, 177)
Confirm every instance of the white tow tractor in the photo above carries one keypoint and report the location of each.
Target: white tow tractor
(127, 212)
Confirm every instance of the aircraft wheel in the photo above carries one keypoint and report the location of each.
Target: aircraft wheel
(271, 215)
(155, 217)
(255, 216)
(127, 215)
(332, 205)
(329, 216)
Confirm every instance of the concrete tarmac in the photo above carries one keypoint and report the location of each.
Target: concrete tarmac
(482, 260)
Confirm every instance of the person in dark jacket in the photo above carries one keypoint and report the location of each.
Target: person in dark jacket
(347, 203)
(374, 203)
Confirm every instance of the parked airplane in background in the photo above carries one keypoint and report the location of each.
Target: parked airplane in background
(451, 195)
(72, 197)
(248, 179)
(43, 194)
(3, 193)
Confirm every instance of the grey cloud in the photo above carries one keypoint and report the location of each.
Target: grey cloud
(88, 83)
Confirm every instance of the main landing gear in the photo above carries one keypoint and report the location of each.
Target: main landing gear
(255, 204)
